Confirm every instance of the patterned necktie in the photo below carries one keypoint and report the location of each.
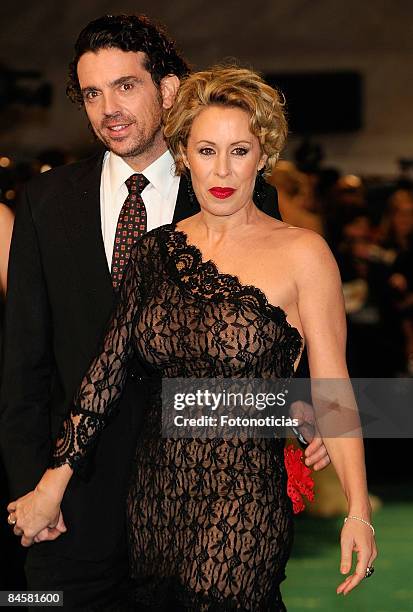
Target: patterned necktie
(131, 226)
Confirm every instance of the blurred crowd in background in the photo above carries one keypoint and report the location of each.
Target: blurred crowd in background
(368, 224)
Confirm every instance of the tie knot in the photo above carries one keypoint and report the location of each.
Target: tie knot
(136, 183)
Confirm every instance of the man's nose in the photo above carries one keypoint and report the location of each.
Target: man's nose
(110, 104)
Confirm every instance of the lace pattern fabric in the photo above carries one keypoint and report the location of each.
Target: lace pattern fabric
(101, 388)
(210, 522)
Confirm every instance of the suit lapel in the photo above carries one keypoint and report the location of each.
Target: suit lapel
(80, 208)
(81, 212)
(270, 202)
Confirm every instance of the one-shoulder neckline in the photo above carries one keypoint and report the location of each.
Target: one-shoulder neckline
(233, 278)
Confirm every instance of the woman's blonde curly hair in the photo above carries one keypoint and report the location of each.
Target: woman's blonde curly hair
(229, 86)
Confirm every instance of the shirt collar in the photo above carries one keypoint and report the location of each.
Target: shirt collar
(159, 173)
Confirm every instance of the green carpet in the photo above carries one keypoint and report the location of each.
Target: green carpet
(313, 570)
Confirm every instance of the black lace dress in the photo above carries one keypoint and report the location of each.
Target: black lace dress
(210, 522)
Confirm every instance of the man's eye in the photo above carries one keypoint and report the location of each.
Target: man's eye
(89, 95)
(206, 151)
(240, 151)
(126, 86)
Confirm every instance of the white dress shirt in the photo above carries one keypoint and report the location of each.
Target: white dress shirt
(159, 196)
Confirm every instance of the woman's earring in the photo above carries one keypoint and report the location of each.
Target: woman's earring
(191, 192)
(260, 189)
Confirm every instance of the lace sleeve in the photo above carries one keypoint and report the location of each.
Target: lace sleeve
(101, 387)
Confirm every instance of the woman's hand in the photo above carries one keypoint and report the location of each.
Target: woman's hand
(356, 537)
(34, 513)
(37, 516)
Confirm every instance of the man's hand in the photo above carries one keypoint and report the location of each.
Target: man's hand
(48, 534)
(316, 455)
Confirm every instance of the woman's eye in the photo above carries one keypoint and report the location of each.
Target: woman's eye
(206, 151)
(240, 151)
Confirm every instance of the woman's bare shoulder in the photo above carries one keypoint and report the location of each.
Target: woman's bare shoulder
(304, 239)
(304, 249)
(312, 258)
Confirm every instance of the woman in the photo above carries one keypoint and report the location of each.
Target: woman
(6, 230)
(210, 520)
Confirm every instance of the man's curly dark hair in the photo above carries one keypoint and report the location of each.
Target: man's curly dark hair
(128, 33)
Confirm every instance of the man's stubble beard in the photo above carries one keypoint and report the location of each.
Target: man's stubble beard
(143, 142)
(140, 145)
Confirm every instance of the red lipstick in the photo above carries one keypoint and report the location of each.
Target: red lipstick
(221, 192)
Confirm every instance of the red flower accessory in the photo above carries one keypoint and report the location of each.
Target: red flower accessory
(299, 479)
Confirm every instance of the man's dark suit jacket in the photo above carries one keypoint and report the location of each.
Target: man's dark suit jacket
(59, 300)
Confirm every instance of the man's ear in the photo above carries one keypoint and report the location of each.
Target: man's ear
(169, 87)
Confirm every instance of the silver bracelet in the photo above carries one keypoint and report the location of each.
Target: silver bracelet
(357, 518)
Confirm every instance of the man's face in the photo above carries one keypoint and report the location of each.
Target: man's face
(122, 103)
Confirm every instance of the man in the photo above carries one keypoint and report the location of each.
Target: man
(70, 246)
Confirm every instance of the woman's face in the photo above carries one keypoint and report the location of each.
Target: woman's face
(223, 157)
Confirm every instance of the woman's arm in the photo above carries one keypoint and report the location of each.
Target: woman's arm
(6, 230)
(321, 310)
(94, 403)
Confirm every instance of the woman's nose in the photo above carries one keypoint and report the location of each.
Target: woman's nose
(222, 165)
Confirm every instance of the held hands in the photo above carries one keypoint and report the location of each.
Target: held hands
(51, 533)
(356, 537)
(316, 455)
(36, 517)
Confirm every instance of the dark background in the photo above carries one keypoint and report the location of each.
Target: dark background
(374, 39)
